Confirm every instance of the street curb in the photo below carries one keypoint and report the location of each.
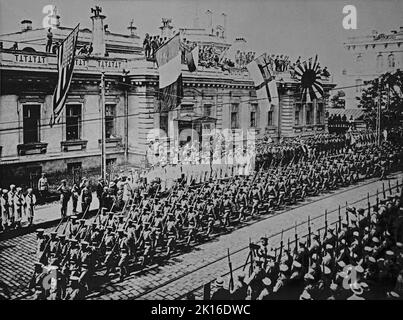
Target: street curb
(10, 234)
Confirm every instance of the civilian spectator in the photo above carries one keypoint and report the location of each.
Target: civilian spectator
(49, 42)
(43, 186)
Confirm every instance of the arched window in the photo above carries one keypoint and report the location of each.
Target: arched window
(379, 62)
(391, 60)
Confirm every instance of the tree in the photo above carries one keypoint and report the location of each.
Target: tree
(389, 88)
(338, 101)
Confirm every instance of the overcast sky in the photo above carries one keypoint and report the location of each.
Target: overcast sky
(292, 27)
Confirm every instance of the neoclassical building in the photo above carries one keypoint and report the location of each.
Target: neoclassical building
(213, 98)
(370, 56)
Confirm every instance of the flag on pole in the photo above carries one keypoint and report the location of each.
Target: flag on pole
(168, 58)
(65, 66)
(309, 75)
(262, 75)
(192, 58)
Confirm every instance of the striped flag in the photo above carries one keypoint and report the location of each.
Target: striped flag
(168, 59)
(262, 75)
(65, 66)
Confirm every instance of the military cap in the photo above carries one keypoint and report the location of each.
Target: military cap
(350, 209)
(399, 245)
(367, 249)
(53, 234)
(308, 276)
(38, 264)
(389, 253)
(81, 221)
(371, 259)
(109, 227)
(382, 201)
(283, 268)
(333, 287)
(360, 210)
(296, 264)
(329, 247)
(19, 189)
(61, 236)
(393, 295)
(5, 191)
(74, 218)
(359, 269)
(266, 281)
(219, 282)
(12, 186)
(356, 234)
(74, 279)
(325, 270)
(375, 240)
(40, 231)
(241, 275)
(121, 231)
(84, 243)
(341, 264)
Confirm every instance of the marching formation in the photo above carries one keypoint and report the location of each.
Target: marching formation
(358, 258)
(151, 224)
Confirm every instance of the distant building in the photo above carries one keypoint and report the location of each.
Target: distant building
(213, 98)
(371, 56)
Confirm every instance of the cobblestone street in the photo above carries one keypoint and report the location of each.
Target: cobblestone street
(183, 273)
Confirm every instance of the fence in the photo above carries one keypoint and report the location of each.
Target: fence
(205, 289)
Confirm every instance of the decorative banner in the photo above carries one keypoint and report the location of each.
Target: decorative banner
(308, 74)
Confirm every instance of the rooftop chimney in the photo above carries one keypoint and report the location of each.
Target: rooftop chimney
(132, 28)
(26, 25)
(209, 16)
(98, 32)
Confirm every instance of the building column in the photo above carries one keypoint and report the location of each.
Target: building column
(315, 106)
(304, 114)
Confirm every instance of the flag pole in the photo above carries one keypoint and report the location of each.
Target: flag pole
(103, 146)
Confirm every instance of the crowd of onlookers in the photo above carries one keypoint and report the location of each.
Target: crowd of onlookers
(151, 45)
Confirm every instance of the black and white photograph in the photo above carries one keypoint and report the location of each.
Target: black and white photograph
(190, 151)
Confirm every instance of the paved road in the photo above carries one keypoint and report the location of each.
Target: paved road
(180, 274)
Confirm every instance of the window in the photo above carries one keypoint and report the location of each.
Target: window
(73, 122)
(309, 114)
(186, 108)
(207, 110)
(111, 162)
(391, 60)
(253, 115)
(110, 118)
(234, 116)
(298, 108)
(379, 63)
(319, 113)
(73, 167)
(31, 123)
(270, 118)
(164, 122)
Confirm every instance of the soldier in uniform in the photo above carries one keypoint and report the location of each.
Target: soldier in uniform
(41, 242)
(30, 202)
(4, 209)
(11, 206)
(86, 197)
(36, 282)
(64, 197)
(19, 203)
